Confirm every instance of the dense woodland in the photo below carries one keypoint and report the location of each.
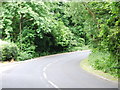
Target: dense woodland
(33, 29)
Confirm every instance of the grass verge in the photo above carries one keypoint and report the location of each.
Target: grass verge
(86, 66)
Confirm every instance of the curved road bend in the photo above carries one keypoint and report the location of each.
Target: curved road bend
(56, 71)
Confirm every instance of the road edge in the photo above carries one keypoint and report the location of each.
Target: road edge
(84, 64)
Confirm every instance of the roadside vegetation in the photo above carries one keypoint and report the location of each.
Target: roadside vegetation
(99, 73)
(34, 29)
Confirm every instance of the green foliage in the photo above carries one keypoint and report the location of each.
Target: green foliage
(63, 35)
(104, 61)
(61, 12)
(8, 51)
(42, 28)
(24, 56)
(101, 24)
(35, 29)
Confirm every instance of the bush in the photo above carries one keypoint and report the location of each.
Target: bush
(104, 61)
(24, 56)
(8, 51)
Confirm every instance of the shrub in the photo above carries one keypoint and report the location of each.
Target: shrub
(8, 51)
(24, 56)
(104, 61)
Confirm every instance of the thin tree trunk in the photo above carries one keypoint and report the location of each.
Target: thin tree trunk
(20, 28)
(20, 33)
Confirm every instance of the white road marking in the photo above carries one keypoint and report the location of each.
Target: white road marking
(45, 68)
(45, 76)
(53, 84)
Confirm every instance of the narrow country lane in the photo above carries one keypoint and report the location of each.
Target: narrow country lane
(55, 71)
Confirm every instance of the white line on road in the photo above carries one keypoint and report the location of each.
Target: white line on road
(53, 84)
(45, 68)
(45, 76)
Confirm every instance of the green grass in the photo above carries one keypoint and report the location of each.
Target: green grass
(86, 66)
(104, 61)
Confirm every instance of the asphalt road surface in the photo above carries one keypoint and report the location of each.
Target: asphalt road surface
(56, 71)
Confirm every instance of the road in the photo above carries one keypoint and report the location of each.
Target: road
(55, 71)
